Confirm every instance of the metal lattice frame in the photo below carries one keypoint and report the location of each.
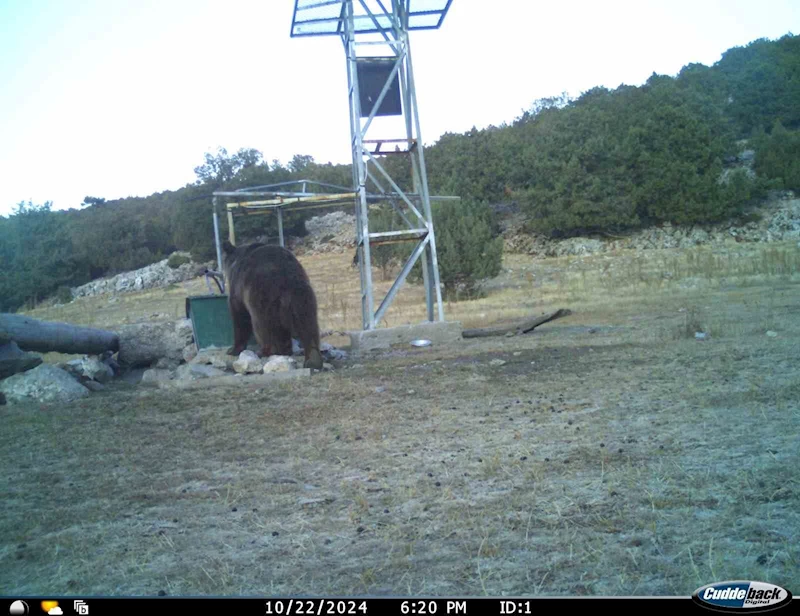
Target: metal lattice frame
(358, 22)
(271, 198)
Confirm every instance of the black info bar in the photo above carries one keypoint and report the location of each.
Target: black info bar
(331, 606)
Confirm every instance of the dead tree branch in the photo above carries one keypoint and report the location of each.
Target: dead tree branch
(520, 327)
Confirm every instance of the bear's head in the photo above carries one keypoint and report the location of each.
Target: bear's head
(231, 255)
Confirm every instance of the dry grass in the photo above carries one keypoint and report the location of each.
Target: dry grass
(604, 283)
(612, 454)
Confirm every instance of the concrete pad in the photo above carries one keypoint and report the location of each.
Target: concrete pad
(235, 380)
(438, 332)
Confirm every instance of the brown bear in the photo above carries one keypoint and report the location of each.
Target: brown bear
(270, 296)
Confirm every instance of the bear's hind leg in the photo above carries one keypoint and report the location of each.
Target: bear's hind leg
(305, 319)
(263, 335)
(300, 311)
(242, 328)
(283, 341)
(313, 359)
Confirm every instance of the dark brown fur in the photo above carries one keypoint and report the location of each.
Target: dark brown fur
(270, 296)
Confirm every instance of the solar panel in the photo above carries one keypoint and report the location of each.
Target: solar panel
(325, 17)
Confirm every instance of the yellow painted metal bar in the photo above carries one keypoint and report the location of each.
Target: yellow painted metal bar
(231, 232)
(290, 200)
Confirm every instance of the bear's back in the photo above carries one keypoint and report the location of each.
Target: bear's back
(268, 264)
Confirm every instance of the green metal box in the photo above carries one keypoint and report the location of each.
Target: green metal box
(211, 321)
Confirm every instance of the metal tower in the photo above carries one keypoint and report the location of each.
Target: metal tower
(380, 82)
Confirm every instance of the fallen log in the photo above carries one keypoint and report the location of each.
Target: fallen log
(14, 360)
(516, 328)
(46, 336)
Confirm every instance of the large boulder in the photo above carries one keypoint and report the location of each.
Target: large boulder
(14, 360)
(142, 344)
(45, 383)
(184, 329)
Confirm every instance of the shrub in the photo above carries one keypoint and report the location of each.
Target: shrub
(778, 157)
(64, 295)
(176, 260)
(630, 158)
(468, 247)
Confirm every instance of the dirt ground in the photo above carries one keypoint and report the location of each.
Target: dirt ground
(611, 454)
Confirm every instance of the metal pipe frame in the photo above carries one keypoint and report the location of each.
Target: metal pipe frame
(359, 170)
(418, 159)
(395, 37)
(216, 234)
(364, 24)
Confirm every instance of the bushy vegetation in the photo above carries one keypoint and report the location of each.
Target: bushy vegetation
(609, 160)
(778, 157)
(176, 260)
(468, 246)
(43, 249)
(636, 156)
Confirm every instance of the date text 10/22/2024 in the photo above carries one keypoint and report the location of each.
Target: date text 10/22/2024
(418, 607)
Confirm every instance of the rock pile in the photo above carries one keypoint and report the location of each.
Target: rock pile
(163, 354)
(779, 221)
(213, 362)
(334, 232)
(66, 382)
(155, 275)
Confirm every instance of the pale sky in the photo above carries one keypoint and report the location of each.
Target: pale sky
(114, 98)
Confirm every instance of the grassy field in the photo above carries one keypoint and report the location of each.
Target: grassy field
(611, 454)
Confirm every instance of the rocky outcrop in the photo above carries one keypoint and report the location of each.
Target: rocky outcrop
(779, 221)
(155, 275)
(334, 232)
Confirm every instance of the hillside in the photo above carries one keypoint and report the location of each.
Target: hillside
(610, 162)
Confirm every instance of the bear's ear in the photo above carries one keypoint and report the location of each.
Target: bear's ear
(228, 247)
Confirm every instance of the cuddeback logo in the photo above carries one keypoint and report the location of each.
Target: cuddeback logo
(742, 596)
